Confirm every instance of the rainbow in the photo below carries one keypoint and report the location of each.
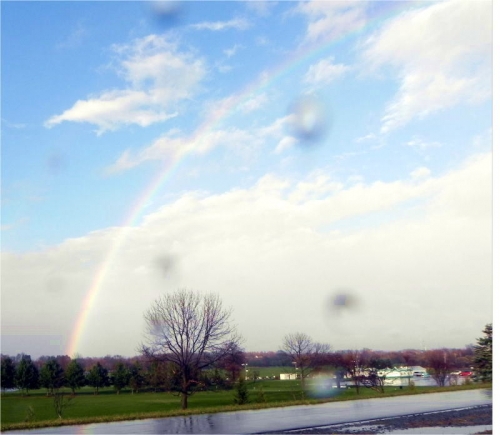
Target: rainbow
(301, 57)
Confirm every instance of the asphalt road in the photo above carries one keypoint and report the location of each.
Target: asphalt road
(281, 419)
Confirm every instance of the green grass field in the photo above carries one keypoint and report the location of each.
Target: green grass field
(108, 406)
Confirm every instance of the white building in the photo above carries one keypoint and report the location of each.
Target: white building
(288, 376)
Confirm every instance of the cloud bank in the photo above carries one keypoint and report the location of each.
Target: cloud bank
(276, 253)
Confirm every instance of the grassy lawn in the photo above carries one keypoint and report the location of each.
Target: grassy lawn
(108, 406)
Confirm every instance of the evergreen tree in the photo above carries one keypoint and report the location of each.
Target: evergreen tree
(120, 377)
(241, 395)
(136, 378)
(26, 374)
(98, 377)
(8, 373)
(483, 356)
(75, 375)
(51, 376)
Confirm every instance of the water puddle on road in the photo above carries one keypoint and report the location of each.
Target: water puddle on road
(462, 430)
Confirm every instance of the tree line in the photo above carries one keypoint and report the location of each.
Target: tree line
(25, 374)
(192, 346)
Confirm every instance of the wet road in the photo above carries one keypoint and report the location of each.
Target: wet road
(279, 419)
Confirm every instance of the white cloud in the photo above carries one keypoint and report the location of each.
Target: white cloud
(418, 142)
(420, 172)
(236, 23)
(254, 103)
(369, 136)
(172, 147)
(286, 143)
(327, 20)
(442, 55)
(230, 52)
(282, 240)
(158, 77)
(261, 8)
(324, 72)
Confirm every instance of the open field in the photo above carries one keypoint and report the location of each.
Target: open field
(108, 406)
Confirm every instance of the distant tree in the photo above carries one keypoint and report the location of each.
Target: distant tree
(232, 362)
(483, 356)
(8, 373)
(137, 380)
(75, 376)
(98, 377)
(281, 358)
(157, 375)
(241, 393)
(190, 330)
(354, 362)
(51, 376)
(439, 364)
(120, 377)
(27, 377)
(217, 382)
(380, 363)
(335, 360)
(64, 361)
(371, 377)
(254, 375)
(304, 352)
(409, 357)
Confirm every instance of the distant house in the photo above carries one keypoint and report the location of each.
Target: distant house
(419, 371)
(288, 376)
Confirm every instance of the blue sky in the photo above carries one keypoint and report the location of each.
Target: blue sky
(290, 138)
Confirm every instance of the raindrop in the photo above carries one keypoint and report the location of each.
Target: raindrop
(342, 300)
(308, 120)
(56, 163)
(164, 263)
(166, 13)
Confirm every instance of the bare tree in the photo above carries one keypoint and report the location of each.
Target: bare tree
(439, 364)
(190, 330)
(305, 353)
(354, 363)
(233, 361)
(60, 404)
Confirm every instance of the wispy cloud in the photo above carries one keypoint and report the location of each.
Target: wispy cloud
(261, 8)
(230, 52)
(74, 39)
(324, 72)
(438, 66)
(172, 146)
(15, 125)
(16, 224)
(217, 26)
(418, 142)
(158, 76)
(326, 20)
(369, 136)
